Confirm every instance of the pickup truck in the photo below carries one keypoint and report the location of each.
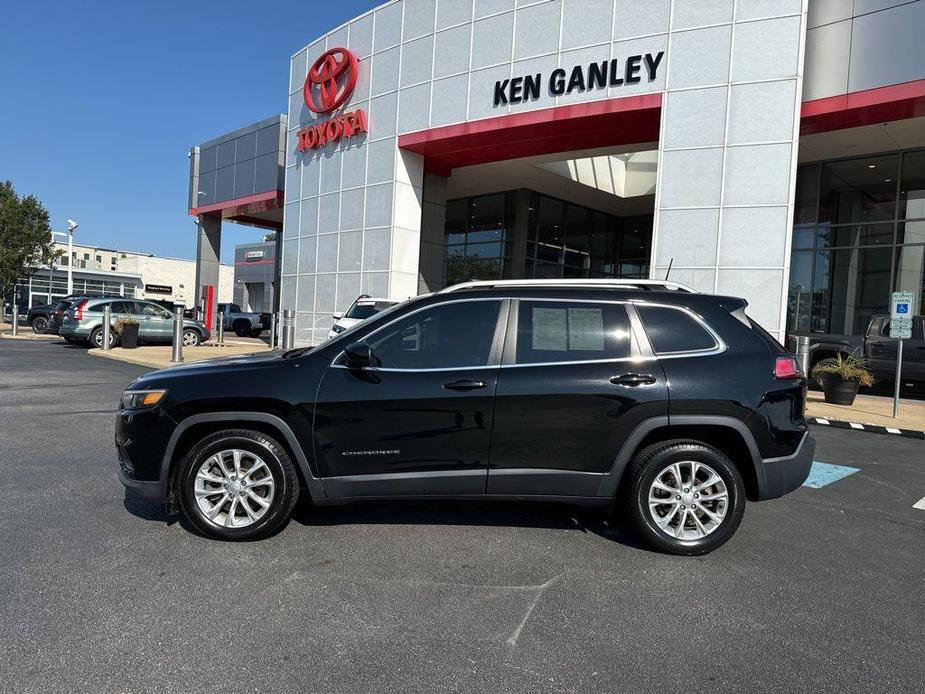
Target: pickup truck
(244, 324)
(877, 348)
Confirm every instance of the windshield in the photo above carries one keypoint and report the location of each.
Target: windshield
(364, 311)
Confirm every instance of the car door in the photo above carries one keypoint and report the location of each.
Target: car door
(573, 384)
(420, 422)
(155, 323)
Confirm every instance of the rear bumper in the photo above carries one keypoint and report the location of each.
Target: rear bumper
(779, 476)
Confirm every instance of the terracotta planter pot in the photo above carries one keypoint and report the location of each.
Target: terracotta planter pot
(837, 390)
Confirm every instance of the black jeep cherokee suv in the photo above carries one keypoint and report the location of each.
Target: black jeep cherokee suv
(671, 403)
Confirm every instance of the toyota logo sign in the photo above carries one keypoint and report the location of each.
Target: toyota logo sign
(330, 80)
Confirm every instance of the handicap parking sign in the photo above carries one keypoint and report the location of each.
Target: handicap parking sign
(901, 315)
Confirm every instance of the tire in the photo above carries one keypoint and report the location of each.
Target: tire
(40, 325)
(96, 338)
(241, 328)
(701, 532)
(191, 338)
(256, 332)
(253, 446)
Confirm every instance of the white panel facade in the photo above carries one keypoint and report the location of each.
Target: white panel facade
(727, 164)
(353, 215)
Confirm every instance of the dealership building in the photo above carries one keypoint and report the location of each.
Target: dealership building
(759, 148)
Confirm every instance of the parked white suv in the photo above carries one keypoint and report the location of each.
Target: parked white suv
(361, 309)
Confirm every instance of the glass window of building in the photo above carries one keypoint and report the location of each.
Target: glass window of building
(476, 233)
(858, 235)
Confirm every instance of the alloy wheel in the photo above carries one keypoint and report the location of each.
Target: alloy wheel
(234, 488)
(688, 500)
(190, 339)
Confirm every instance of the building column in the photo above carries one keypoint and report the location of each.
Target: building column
(433, 222)
(728, 157)
(208, 253)
(519, 232)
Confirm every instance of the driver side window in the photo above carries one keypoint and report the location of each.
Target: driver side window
(450, 336)
(154, 311)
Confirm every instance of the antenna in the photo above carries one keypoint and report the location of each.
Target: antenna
(668, 271)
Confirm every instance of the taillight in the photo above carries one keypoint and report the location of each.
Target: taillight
(787, 368)
(79, 309)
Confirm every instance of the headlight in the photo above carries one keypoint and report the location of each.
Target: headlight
(138, 399)
(338, 329)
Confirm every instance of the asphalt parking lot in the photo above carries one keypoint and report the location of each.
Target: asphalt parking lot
(820, 591)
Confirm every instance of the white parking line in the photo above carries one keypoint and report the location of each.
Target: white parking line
(854, 425)
(920, 504)
(819, 420)
(893, 431)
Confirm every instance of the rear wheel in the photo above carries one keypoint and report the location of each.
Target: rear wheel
(256, 332)
(685, 497)
(238, 484)
(191, 338)
(96, 338)
(40, 325)
(241, 328)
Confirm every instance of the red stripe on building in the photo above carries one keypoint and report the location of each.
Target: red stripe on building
(608, 123)
(880, 105)
(238, 202)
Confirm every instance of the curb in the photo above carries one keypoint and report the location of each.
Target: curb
(870, 428)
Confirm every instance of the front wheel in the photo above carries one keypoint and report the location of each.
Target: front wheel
(686, 497)
(238, 484)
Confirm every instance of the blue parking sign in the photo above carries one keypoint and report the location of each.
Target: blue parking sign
(902, 308)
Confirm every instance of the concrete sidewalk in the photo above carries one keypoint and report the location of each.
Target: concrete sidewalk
(869, 409)
(158, 356)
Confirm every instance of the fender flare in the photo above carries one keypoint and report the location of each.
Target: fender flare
(611, 481)
(315, 488)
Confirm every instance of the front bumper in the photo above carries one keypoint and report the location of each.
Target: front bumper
(140, 439)
(143, 488)
(779, 476)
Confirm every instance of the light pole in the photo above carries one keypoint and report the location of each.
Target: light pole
(71, 228)
(51, 264)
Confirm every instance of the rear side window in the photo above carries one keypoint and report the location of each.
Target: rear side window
(120, 307)
(672, 330)
(553, 331)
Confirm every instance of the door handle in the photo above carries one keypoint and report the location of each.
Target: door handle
(633, 380)
(464, 385)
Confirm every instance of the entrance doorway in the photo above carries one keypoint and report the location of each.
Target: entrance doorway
(586, 214)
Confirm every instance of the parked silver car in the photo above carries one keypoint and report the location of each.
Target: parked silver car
(83, 322)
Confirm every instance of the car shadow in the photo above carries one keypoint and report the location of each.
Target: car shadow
(489, 513)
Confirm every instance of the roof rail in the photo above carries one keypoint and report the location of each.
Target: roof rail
(643, 285)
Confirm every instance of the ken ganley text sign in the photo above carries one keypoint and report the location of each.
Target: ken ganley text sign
(329, 83)
(615, 72)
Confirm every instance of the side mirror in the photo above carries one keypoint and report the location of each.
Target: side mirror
(337, 316)
(359, 355)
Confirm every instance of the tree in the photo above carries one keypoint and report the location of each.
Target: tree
(25, 234)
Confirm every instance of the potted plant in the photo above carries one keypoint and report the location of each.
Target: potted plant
(841, 376)
(127, 328)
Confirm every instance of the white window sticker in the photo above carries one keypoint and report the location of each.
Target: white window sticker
(550, 329)
(586, 329)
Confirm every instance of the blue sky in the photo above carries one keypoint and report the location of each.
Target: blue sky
(101, 101)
